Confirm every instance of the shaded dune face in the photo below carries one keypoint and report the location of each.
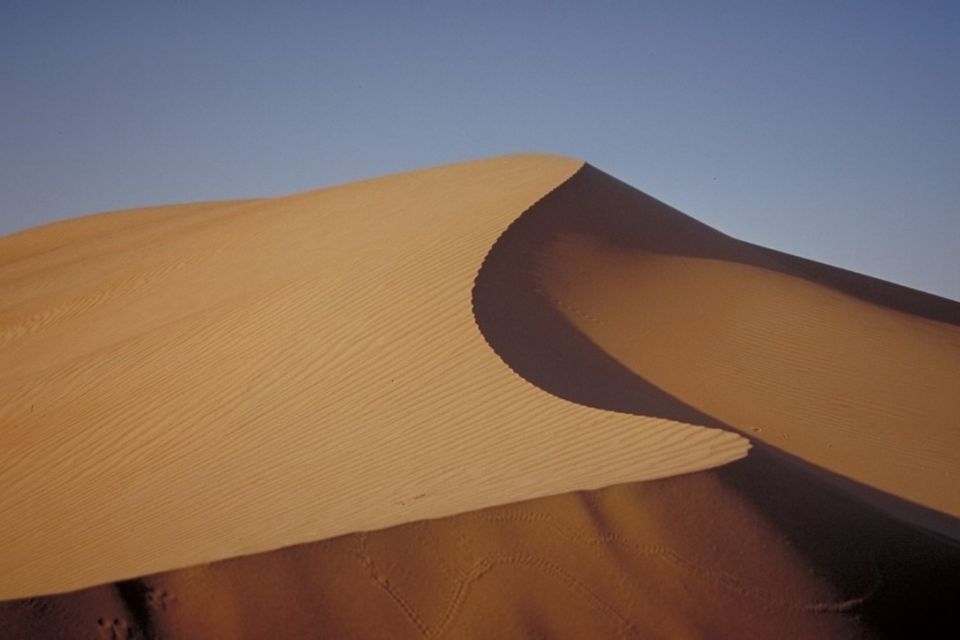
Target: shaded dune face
(661, 315)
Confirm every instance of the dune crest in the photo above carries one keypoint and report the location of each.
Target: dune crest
(665, 316)
(208, 381)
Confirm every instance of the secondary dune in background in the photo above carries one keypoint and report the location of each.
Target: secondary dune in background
(223, 379)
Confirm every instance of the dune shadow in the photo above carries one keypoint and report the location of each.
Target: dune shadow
(541, 346)
(824, 516)
(525, 328)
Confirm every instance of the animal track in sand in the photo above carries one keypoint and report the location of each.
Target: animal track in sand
(113, 629)
(719, 577)
(463, 582)
(160, 600)
(482, 567)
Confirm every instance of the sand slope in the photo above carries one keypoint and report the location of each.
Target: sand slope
(672, 318)
(206, 381)
(755, 549)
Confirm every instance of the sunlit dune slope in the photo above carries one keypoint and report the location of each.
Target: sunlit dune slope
(666, 316)
(200, 382)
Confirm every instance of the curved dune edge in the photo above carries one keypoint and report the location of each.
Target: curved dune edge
(231, 378)
(665, 316)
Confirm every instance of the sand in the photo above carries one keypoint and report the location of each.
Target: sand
(253, 375)
(856, 376)
(447, 384)
(759, 548)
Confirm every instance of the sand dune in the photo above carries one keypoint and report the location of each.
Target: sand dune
(854, 375)
(253, 375)
(459, 349)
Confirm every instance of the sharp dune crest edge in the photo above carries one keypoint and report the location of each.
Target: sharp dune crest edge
(662, 315)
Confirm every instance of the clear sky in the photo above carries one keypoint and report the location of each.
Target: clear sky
(825, 129)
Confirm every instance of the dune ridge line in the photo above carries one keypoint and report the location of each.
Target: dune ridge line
(662, 315)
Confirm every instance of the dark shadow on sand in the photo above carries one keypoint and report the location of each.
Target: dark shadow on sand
(830, 520)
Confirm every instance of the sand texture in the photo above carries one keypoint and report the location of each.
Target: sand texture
(247, 376)
(446, 385)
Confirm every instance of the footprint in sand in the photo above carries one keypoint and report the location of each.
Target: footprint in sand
(113, 628)
(160, 600)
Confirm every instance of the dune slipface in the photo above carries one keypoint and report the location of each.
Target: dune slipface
(199, 382)
(672, 318)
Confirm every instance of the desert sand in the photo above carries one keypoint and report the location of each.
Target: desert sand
(853, 375)
(423, 406)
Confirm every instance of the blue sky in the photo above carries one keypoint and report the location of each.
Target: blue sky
(829, 130)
